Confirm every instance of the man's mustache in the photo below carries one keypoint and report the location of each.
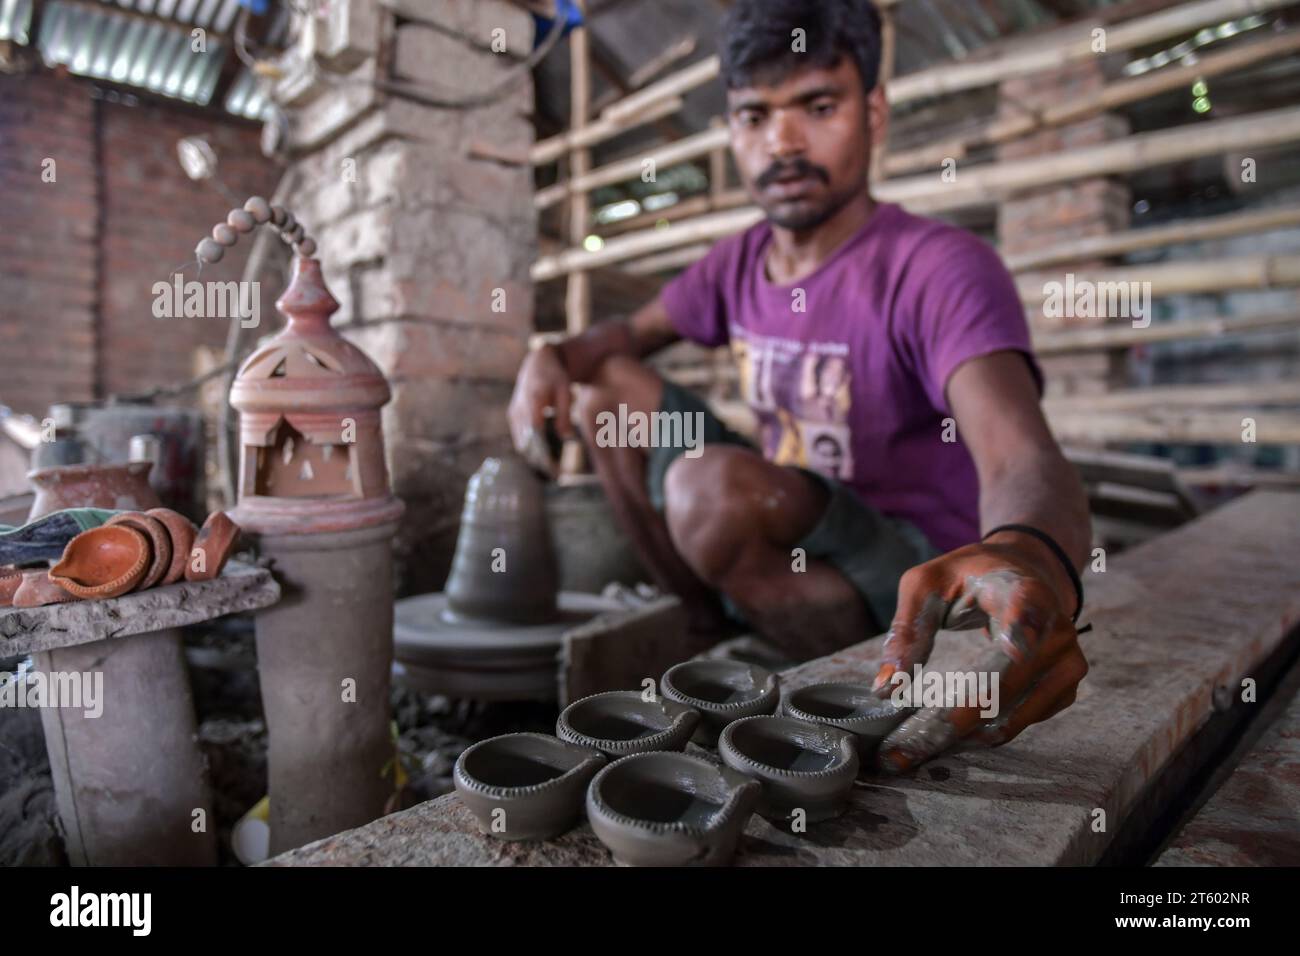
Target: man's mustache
(795, 167)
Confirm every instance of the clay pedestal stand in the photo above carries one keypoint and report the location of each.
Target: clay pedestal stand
(128, 782)
(314, 499)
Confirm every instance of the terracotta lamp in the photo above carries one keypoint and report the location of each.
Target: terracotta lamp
(314, 500)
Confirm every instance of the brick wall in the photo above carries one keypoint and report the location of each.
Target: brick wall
(79, 256)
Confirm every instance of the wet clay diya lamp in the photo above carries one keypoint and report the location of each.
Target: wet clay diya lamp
(182, 532)
(622, 722)
(853, 708)
(670, 809)
(801, 765)
(525, 786)
(212, 547)
(103, 562)
(160, 543)
(722, 691)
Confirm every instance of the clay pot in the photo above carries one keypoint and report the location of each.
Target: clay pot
(535, 780)
(621, 722)
(120, 487)
(801, 765)
(160, 543)
(670, 809)
(37, 590)
(182, 532)
(10, 580)
(212, 547)
(849, 707)
(504, 568)
(103, 562)
(722, 691)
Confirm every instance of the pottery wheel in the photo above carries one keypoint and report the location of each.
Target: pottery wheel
(440, 652)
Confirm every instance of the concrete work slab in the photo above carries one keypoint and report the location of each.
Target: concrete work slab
(241, 587)
(1190, 612)
(1253, 819)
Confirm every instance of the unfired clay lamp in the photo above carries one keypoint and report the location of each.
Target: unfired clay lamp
(622, 722)
(722, 691)
(103, 562)
(10, 580)
(160, 543)
(802, 766)
(314, 500)
(37, 590)
(212, 547)
(670, 809)
(849, 707)
(525, 786)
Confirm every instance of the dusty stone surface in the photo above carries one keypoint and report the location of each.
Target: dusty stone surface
(1174, 619)
(240, 588)
(29, 824)
(1253, 819)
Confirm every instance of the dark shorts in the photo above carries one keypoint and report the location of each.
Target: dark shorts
(870, 549)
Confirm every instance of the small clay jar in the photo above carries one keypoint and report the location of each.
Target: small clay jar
(525, 786)
(850, 707)
(103, 562)
(119, 487)
(37, 590)
(504, 568)
(670, 809)
(622, 722)
(212, 548)
(722, 691)
(801, 765)
(160, 543)
(10, 580)
(182, 532)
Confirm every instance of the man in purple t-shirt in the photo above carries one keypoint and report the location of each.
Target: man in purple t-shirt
(886, 360)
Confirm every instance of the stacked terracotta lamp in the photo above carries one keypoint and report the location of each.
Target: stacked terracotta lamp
(314, 501)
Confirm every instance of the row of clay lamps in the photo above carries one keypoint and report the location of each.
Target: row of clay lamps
(132, 551)
(255, 212)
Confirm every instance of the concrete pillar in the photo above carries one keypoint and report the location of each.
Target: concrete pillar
(426, 246)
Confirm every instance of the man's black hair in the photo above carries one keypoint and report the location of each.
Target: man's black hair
(759, 42)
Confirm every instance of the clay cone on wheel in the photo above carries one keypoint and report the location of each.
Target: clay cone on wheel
(504, 568)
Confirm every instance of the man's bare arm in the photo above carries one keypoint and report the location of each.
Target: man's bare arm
(1024, 477)
(547, 374)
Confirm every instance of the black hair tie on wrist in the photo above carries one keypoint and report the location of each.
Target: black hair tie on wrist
(1057, 550)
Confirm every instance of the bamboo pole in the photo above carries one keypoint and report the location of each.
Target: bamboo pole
(1172, 278)
(980, 186)
(578, 296)
(966, 75)
(552, 148)
(1175, 233)
(1118, 93)
(1068, 341)
(672, 259)
(686, 148)
(1250, 394)
(621, 248)
(987, 184)
(685, 209)
(675, 84)
(1176, 426)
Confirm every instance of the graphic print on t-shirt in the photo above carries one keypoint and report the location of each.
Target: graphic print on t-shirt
(802, 393)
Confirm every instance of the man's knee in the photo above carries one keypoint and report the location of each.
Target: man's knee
(710, 507)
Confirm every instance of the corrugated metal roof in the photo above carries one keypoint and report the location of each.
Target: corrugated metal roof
(147, 44)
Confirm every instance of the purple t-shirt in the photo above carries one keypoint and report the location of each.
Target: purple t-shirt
(846, 368)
